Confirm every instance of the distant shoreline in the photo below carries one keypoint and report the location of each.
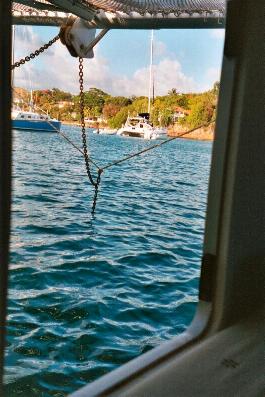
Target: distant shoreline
(77, 123)
(70, 122)
(202, 134)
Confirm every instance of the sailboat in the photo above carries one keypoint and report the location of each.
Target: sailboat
(32, 120)
(140, 126)
(159, 132)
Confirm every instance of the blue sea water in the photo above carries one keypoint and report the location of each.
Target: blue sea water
(87, 294)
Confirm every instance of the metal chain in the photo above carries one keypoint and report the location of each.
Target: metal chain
(96, 191)
(83, 129)
(35, 53)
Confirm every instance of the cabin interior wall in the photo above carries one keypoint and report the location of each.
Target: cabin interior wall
(240, 253)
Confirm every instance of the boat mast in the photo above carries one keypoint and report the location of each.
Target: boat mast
(31, 101)
(151, 72)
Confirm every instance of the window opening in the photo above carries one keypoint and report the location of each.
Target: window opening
(107, 288)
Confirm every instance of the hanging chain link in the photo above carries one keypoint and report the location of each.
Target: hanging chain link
(96, 191)
(83, 129)
(35, 53)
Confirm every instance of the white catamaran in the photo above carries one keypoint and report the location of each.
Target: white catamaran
(140, 126)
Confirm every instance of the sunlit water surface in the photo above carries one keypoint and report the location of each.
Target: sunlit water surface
(89, 294)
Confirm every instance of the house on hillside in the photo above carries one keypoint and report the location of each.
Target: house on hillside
(18, 101)
(64, 104)
(94, 120)
(179, 114)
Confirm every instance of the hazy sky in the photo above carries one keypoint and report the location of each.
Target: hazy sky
(188, 60)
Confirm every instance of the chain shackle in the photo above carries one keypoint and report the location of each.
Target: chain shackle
(35, 53)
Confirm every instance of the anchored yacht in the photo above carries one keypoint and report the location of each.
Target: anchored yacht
(22, 120)
(138, 127)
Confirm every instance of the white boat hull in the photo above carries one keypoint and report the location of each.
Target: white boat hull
(137, 133)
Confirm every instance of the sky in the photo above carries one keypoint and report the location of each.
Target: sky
(188, 60)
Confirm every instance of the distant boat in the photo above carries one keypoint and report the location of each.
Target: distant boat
(33, 121)
(104, 131)
(161, 132)
(138, 127)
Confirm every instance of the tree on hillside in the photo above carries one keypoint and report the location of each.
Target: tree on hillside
(162, 111)
(173, 91)
(94, 100)
(113, 105)
(202, 110)
(139, 105)
(110, 110)
(183, 101)
(216, 88)
(165, 117)
(59, 95)
(119, 101)
(165, 106)
(119, 119)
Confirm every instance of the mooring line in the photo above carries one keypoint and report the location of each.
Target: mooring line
(154, 146)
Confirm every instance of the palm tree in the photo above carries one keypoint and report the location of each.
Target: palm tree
(173, 91)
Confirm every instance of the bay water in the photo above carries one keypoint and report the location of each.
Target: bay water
(89, 293)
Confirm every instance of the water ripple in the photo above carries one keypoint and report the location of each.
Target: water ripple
(89, 294)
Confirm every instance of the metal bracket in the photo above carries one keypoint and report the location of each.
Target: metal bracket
(76, 34)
